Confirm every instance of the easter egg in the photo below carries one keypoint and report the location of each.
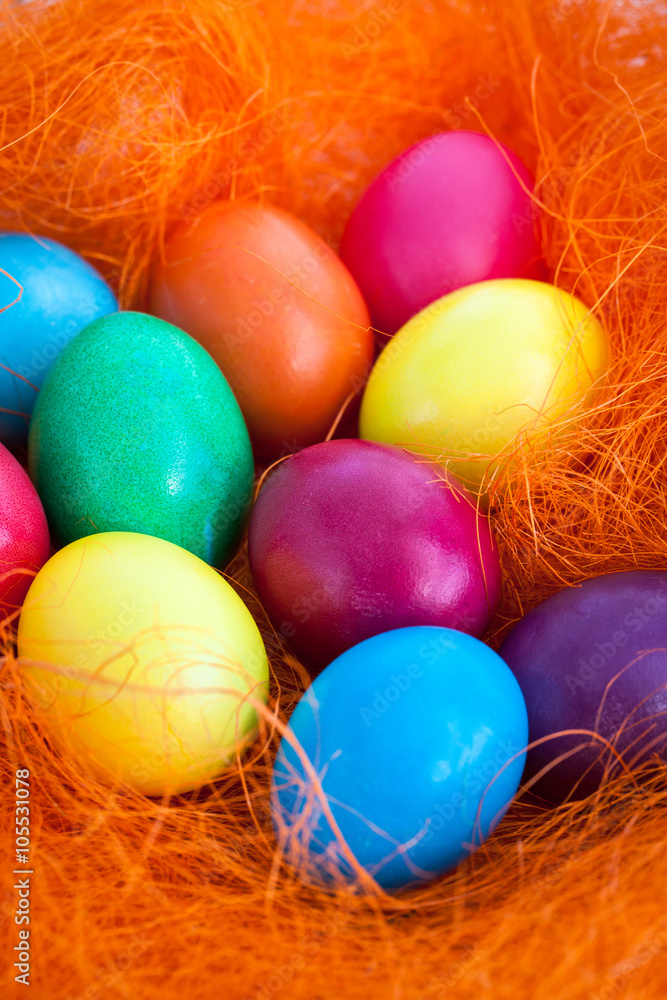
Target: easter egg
(144, 662)
(351, 538)
(399, 759)
(61, 293)
(450, 211)
(136, 429)
(24, 533)
(463, 378)
(593, 659)
(277, 310)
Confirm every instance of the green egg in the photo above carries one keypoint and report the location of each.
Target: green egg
(136, 429)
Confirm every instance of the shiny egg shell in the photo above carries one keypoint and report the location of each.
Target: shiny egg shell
(414, 742)
(350, 538)
(136, 429)
(144, 663)
(473, 371)
(593, 659)
(278, 311)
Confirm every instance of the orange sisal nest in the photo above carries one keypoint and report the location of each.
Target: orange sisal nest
(119, 118)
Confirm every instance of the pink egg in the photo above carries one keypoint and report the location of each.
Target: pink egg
(448, 212)
(24, 533)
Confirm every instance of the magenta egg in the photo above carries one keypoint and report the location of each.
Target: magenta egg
(591, 661)
(450, 211)
(24, 533)
(352, 538)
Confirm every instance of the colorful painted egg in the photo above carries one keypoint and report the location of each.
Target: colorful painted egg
(24, 533)
(450, 211)
(144, 662)
(277, 310)
(480, 366)
(351, 538)
(593, 659)
(61, 294)
(399, 759)
(136, 429)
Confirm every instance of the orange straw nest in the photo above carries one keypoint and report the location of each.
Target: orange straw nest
(119, 118)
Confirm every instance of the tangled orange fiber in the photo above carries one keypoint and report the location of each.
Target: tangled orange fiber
(118, 118)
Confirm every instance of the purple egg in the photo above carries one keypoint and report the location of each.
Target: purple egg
(594, 657)
(450, 211)
(352, 538)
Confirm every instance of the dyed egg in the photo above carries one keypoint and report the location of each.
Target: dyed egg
(350, 538)
(465, 376)
(145, 663)
(278, 311)
(593, 658)
(24, 533)
(136, 429)
(453, 210)
(415, 738)
(62, 293)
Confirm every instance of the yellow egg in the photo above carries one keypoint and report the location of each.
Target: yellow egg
(143, 660)
(470, 372)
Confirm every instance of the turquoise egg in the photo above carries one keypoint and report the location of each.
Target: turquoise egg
(137, 429)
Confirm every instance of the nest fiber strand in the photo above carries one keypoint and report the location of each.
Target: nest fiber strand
(117, 119)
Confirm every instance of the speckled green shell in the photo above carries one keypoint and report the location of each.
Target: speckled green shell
(136, 429)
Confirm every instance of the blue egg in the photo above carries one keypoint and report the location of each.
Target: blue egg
(62, 293)
(406, 732)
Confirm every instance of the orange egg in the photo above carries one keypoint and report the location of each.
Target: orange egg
(279, 312)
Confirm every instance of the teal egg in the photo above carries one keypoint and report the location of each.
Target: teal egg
(137, 429)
